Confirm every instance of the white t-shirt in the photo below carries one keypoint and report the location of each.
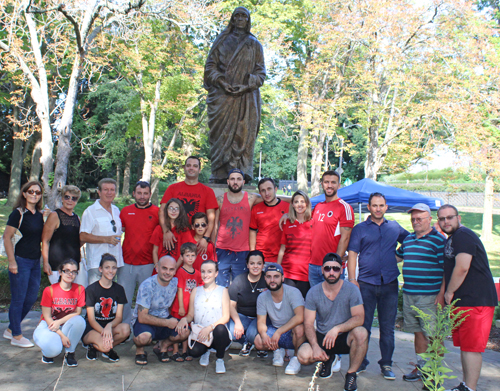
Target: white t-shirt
(98, 221)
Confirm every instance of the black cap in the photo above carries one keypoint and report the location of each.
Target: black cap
(332, 257)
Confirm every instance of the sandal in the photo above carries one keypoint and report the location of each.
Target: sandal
(177, 357)
(162, 356)
(141, 359)
(187, 357)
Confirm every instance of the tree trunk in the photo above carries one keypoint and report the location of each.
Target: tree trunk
(486, 234)
(16, 165)
(317, 142)
(126, 171)
(118, 175)
(302, 152)
(35, 162)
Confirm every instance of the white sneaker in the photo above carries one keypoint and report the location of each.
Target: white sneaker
(219, 366)
(204, 359)
(336, 363)
(293, 367)
(22, 343)
(7, 334)
(279, 357)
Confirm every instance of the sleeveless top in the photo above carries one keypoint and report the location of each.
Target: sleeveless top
(208, 306)
(65, 241)
(234, 225)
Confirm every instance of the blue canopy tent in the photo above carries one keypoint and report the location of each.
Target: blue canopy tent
(399, 200)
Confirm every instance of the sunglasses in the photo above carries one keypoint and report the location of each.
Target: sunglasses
(336, 269)
(114, 225)
(197, 225)
(31, 192)
(70, 272)
(72, 198)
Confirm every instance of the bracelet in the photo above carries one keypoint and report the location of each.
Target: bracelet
(351, 279)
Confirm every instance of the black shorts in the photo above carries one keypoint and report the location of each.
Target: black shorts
(340, 346)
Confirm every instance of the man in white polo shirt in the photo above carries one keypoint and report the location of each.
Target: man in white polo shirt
(101, 229)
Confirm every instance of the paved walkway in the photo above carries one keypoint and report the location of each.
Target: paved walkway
(22, 370)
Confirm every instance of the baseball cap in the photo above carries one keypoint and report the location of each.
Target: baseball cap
(420, 207)
(332, 257)
(273, 267)
(237, 170)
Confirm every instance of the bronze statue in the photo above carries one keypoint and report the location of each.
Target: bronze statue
(234, 71)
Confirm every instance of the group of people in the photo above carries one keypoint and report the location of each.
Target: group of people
(262, 270)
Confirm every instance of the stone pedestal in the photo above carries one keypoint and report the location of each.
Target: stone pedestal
(220, 189)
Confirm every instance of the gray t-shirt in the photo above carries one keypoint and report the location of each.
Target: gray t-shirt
(156, 298)
(331, 313)
(292, 298)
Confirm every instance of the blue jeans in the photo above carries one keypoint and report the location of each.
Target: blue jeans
(385, 298)
(24, 288)
(231, 264)
(250, 327)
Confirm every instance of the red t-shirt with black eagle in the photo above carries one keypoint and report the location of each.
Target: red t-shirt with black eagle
(195, 198)
(63, 302)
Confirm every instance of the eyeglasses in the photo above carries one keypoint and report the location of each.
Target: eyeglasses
(31, 192)
(418, 219)
(72, 198)
(197, 225)
(172, 209)
(114, 225)
(336, 269)
(449, 218)
(70, 272)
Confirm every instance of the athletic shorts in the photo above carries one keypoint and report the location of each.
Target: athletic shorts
(472, 335)
(340, 346)
(412, 322)
(157, 333)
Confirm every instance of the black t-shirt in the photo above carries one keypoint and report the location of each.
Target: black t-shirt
(478, 288)
(65, 241)
(105, 301)
(245, 294)
(31, 228)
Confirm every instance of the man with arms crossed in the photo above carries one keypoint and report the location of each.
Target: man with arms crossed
(196, 197)
(337, 308)
(468, 278)
(101, 229)
(138, 222)
(151, 319)
(265, 233)
(280, 314)
(333, 221)
(423, 287)
(375, 241)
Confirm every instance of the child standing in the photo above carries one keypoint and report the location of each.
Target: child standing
(200, 225)
(178, 222)
(188, 279)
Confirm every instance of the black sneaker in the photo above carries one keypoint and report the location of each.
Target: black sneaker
(111, 356)
(350, 382)
(246, 349)
(361, 368)
(326, 368)
(71, 360)
(262, 353)
(91, 353)
(47, 360)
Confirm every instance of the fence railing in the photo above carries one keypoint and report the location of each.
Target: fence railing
(462, 198)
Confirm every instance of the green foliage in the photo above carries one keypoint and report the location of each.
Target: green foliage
(435, 371)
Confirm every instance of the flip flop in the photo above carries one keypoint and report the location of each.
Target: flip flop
(141, 359)
(177, 357)
(162, 356)
(187, 357)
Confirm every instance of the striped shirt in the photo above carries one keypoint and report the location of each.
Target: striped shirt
(423, 263)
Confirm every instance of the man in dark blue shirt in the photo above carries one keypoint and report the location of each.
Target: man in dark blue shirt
(373, 246)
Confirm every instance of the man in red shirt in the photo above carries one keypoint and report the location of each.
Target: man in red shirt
(265, 233)
(196, 197)
(138, 221)
(333, 221)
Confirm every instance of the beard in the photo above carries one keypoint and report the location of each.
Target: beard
(277, 288)
(237, 190)
(333, 193)
(142, 203)
(331, 281)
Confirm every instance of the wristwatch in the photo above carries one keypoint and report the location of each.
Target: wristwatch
(207, 238)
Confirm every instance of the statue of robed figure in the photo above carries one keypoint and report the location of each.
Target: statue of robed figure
(234, 72)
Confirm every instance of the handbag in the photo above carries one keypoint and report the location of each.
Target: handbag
(193, 336)
(16, 238)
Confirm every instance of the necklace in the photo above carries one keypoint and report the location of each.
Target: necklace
(253, 286)
(209, 296)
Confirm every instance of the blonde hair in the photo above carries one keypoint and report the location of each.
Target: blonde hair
(292, 216)
(71, 190)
